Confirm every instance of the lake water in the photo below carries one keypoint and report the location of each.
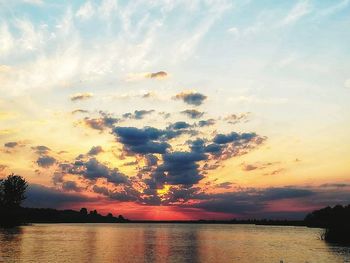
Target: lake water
(166, 243)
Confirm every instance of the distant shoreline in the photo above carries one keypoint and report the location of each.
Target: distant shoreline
(197, 222)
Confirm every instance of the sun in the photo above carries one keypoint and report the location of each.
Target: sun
(162, 192)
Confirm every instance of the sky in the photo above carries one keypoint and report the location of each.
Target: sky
(177, 110)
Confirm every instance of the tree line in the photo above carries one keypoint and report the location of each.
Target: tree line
(12, 194)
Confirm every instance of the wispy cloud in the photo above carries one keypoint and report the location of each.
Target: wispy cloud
(157, 75)
(81, 96)
(301, 9)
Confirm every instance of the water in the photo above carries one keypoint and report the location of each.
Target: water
(166, 243)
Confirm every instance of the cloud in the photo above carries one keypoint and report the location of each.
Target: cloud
(179, 125)
(146, 140)
(94, 170)
(104, 121)
(138, 114)
(275, 172)
(233, 31)
(285, 193)
(251, 201)
(225, 185)
(193, 114)
(157, 75)
(301, 9)
(148, 95)
(151, 160)
(178, 168)
(131, 163)
(95, 150)
(41, 149)
(71, 186)
(191, 98)
(79, 111)
(255, 166)
(11, 144)
(85, 11)
(199, 146)
(81, 96)
(46, 197)
(225, 146)
(46, 161)
(249, 167)
(233, 137)
(126, 195)
(237, 118)
(91, 169)
(335, 185)
(204, 123)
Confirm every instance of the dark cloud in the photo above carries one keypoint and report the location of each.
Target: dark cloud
(230, 205)
(204, 123)
(180, 168)
(179, 125)
(180, 194)
(249, 167)
(151, 160)
(148, 95)
(41, 149)
(58, 177)
(92, 170)
(11, 144)
(46, 197)
(193, 114)
(81, 96)
(225, 185)
(79, 111)
(95, 150)
(70, 186)
(146, 140)
(157, 75)
(138, 114)
(250, 201)
(285, 193)
(199, 145)
(125, 195)
(191, 98)
(45, 161)
(105, 120)
(100, 190)
(130, 163)
(233, 137)
(260, 166)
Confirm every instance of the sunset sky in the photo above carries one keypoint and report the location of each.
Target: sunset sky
(177, 109)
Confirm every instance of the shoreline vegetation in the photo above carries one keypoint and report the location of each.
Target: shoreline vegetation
(335, 220)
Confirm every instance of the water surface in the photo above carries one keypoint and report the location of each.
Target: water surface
(166, 243)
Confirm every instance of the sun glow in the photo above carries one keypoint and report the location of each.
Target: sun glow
(162, 192)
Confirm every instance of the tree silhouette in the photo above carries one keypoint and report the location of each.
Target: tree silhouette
(83, 211)
(12, 191)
